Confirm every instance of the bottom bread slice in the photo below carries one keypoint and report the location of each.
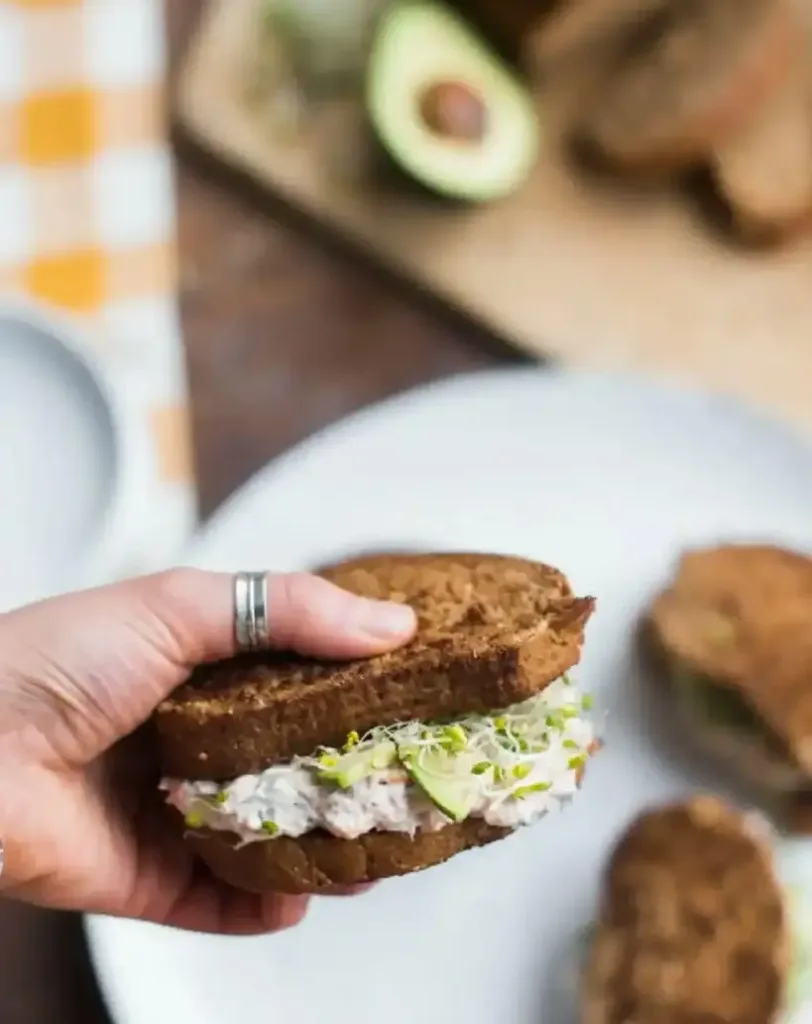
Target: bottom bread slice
(317, 861)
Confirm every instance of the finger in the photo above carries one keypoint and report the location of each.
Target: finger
(306, 614)
(183, 893)
(208, 906)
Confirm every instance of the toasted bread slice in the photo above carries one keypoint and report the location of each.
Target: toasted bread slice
(726, 602)
(687, 81)
(692, 925)
(733, 628)
(317, 862)
(738, 616)
(764, 172)
(493, 631)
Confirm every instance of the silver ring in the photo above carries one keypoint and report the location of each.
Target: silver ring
(251, 631)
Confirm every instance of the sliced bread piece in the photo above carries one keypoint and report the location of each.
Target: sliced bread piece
(732, 629)
(727, 606)
(738, 615)
(317, 861)
(686, 81)
(493, 631)
(693, 924)
(764, 172)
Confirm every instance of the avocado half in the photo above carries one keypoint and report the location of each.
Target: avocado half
(445, 108)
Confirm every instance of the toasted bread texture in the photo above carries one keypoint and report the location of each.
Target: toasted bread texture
(317, 862)
(493, 630)
(739, 615)
(687, 81)
(764, 171)
(692, 925)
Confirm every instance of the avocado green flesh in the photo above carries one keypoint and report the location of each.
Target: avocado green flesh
(419, 45)
(445, 778)
(723, 707)
(356, 765)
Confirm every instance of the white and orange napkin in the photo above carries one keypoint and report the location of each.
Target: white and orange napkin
(87, 214)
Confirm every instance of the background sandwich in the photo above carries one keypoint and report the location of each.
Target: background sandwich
(296, 775)
(734, 629)
(693, 924)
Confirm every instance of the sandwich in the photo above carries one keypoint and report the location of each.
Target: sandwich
(294, 775)
(693, 923)
(733, 631)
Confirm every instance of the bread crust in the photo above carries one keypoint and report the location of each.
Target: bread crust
(682, 130)
(318, 862)
(693, 925)
(493, 631)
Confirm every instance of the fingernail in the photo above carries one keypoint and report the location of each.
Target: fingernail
(385, 619)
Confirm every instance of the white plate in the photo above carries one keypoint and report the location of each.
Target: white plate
(608, 477)
(71, 460)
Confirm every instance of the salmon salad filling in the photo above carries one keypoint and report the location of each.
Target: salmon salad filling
(510, 769)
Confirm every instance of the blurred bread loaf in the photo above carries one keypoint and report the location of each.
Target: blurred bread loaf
(664, 87)
(686, 80)
(764, 171)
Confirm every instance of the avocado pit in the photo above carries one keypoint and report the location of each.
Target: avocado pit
(453, 110)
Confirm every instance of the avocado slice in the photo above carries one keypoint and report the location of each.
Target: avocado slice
(446, 108)
(356, 765)
(446, 779)
(724, 708)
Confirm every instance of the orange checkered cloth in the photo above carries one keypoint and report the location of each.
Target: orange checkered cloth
(87, 218)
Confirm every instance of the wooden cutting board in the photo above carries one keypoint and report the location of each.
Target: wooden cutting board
(596, 275)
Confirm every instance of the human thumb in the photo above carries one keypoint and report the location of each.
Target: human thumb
(104, 658)
(306, 614)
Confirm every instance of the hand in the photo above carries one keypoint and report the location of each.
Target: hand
(80, 815)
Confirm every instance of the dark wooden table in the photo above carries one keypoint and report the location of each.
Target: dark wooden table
(285, 333)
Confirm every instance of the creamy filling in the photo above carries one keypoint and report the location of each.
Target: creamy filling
(509, 769)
